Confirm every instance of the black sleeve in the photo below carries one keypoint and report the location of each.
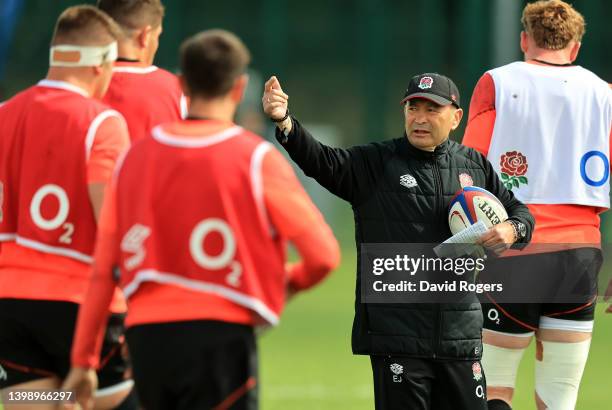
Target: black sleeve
(517, 210)
(333, 168)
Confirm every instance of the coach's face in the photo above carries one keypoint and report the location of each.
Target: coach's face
(429, 124)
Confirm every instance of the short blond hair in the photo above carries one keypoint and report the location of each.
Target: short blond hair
(553, 23)
(85, 25)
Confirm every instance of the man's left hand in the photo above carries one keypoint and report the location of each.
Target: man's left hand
(84, 382)
(498, 238)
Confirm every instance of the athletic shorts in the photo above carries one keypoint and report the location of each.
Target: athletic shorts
(424, 384)
(36, 339)
(520, 318)
(194, 365)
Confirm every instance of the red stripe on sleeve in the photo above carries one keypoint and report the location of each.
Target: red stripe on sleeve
(481, 118)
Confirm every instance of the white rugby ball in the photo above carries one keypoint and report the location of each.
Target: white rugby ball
(473, 204)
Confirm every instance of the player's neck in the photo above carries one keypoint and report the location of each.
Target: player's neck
(128, 52)
(218, 109)
(551, 57)
(71, 76)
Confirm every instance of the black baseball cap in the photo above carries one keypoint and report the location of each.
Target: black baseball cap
(434, 87)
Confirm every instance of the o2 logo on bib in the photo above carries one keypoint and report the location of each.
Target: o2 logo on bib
(59, 219)
(595, 168)
(225, 259)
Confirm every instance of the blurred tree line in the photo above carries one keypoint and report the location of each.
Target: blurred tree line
(343, 62)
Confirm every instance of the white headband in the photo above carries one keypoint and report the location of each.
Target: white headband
(82, 56)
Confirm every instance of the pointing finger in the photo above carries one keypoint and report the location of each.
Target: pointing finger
(270, 83)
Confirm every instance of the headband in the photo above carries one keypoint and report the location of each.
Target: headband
(82, 56)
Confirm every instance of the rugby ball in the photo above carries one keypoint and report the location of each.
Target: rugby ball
(473, 204)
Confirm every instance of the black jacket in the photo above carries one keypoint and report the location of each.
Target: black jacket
(368, 176)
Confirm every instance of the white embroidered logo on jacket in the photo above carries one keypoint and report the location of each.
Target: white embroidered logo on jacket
(397, 370)
(408, 181)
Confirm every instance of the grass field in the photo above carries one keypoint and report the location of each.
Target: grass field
(306, 362)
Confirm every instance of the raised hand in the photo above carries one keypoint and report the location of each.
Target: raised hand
(275, 102)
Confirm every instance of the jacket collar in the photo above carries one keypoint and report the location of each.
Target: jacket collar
(413, 151)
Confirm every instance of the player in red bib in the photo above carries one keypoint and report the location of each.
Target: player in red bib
(146, 95)
(197, 221)
(545, 124)
(58, 146)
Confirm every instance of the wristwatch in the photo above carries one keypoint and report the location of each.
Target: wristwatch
(520, 230)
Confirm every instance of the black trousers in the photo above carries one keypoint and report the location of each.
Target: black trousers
(404, 383)
(194, 365)
(36, 338)
(570, 274)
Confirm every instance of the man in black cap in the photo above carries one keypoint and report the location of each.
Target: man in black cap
(424, 356)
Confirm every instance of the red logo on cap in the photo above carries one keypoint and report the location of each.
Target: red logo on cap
(426, 82)
(453, 97)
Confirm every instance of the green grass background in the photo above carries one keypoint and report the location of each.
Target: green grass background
(306, 363)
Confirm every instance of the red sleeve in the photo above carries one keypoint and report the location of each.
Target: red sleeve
(111, 139)
(297, 219)
(481, 118)
(93, 313)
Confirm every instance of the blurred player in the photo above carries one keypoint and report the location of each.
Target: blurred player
(58, 146)
(145, 94)
(196, 221)
(545, 124)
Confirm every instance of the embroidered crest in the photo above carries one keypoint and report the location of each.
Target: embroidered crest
(408, 181)
(465, 180)
(397, 368)
(477, 371)
(513, 166)
(426, 82)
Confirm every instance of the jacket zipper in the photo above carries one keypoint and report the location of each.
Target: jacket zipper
(438, 189)
(438, 212)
